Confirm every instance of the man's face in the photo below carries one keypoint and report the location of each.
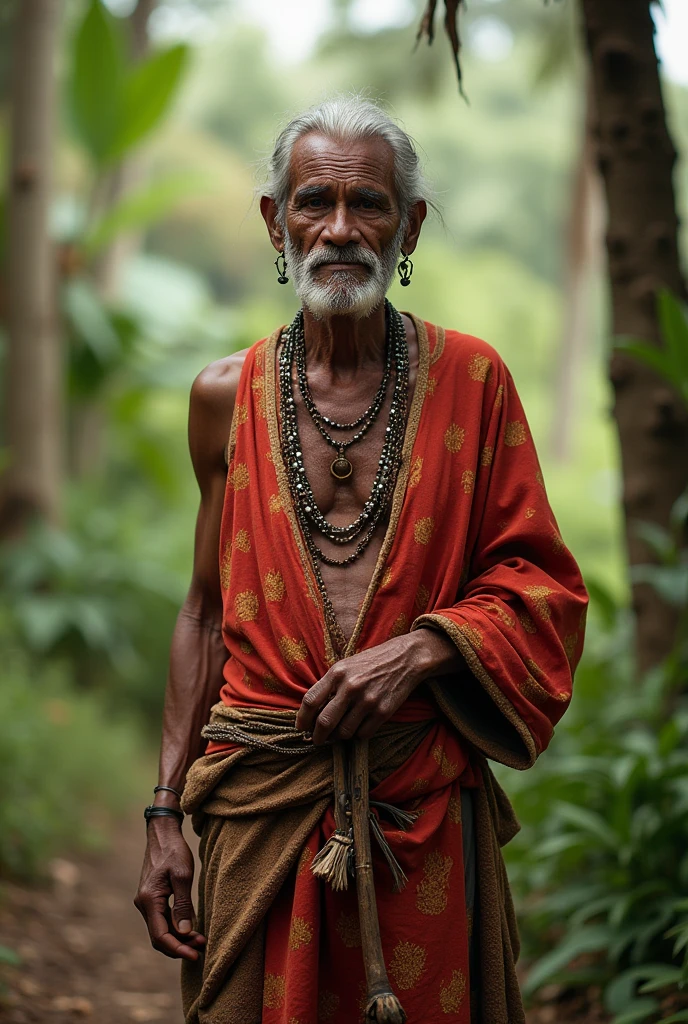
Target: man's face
(343, 227)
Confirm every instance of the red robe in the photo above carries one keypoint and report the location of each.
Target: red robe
(473, 548)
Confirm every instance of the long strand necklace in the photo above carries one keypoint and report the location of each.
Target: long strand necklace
(308, 513)
(341, 467)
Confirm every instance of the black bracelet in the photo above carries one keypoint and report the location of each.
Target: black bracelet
(168, 789)
(162, 812)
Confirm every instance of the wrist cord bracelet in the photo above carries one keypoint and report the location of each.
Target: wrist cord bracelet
(168, 789)
(162, 812)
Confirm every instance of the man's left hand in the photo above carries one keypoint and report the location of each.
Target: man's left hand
(358, 694)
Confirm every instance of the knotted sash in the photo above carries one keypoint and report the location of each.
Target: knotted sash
(254, 809)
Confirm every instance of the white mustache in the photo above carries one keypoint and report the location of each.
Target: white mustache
(347, 254)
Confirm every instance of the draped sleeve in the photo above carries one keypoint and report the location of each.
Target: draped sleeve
(519, 615)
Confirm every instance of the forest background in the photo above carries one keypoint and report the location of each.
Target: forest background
(162, 118)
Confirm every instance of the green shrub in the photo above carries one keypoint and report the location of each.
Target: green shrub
(601, 864)
(65, 763)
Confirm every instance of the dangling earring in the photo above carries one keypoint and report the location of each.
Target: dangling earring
(281, 271)
(405, 269)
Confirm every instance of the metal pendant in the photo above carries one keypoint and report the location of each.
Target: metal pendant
(341, 468)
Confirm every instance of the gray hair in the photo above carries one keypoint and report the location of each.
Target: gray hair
(348, 119)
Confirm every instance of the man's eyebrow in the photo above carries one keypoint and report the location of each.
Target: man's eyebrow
(376, 197)
(307, 192)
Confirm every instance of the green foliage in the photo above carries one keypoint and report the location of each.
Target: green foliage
(80, 601)
(671, 361)
(139, 209)
(96, 80)
(149, 89)
(114, 105)
(100, 339)
(603, 853)
(62, 755)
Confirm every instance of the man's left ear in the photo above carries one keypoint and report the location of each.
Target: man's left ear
(417, 215)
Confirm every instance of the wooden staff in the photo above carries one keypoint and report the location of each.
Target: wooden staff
(381, 1005)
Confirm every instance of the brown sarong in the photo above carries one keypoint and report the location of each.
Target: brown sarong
(255, 809)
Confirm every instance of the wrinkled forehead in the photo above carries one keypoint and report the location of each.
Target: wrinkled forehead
(320, 160)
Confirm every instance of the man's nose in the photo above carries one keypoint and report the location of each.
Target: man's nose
(340, 227)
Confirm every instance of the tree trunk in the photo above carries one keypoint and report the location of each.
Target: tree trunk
(34, 379)
(582, 264)
(636, 157)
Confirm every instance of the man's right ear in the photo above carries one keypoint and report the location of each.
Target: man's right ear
(268, 208)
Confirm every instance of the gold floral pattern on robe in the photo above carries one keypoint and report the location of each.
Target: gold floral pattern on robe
(407, 964)
(246, 605)
(451, 994)
(431, 891)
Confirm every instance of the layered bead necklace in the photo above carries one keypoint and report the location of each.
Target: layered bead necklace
(341, 468)
(308, 514)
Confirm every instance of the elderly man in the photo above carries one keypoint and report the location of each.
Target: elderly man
(392, 605)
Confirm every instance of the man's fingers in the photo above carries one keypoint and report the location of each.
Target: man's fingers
(176, 950)
(162, 938)
(183, 911)
(329, 718)
(352, 721)
(313, 701)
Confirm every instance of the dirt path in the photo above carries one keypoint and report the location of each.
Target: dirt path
(83, 946)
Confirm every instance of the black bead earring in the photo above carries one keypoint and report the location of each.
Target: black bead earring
(405, 269)
(281, 271)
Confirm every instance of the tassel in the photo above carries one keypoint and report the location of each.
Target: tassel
(398, 875)
(332, 863)
(385, 1009)
(401, 818)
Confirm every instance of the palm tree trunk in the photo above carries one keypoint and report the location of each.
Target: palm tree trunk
(34, 379)
(636, 157)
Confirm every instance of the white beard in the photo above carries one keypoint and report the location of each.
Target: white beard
(342, 294)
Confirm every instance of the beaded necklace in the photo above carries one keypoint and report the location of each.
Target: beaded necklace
(390, 457)
(307, 512)
(341, 468)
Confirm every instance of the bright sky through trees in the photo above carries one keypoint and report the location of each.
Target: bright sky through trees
(293, 35)
(294, 29)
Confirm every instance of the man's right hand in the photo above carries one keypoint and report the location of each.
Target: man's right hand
(168, 869)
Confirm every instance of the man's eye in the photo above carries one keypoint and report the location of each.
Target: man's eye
(315, 202)
(367, 204)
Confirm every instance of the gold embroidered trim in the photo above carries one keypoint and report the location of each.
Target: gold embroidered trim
(439, 345)
(493, 750)
(231, 440)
